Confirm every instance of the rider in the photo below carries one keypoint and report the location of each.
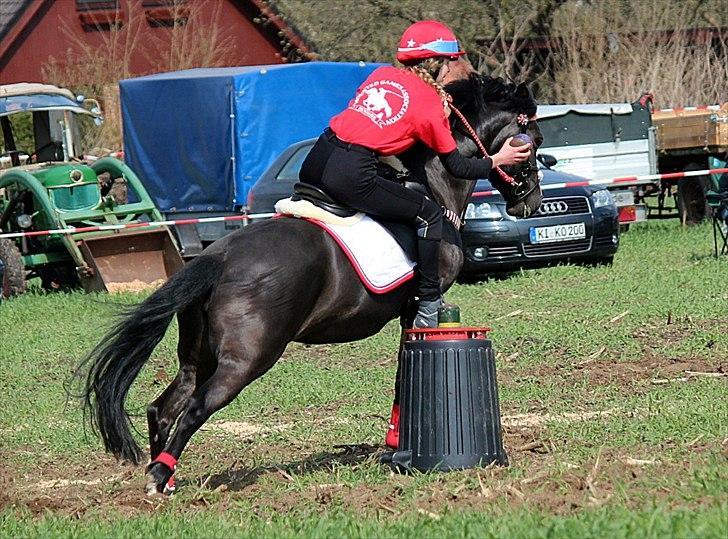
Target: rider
(391, 111)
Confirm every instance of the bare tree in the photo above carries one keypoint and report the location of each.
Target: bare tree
(608, 54)
(192, 38)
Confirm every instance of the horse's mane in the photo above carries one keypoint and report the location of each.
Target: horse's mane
(475, 97)
(478, 92)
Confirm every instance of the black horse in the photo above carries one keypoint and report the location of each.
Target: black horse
(252, 292)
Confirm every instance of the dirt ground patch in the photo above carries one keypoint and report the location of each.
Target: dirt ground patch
(244, 429)
(544, 481)
(648, 370)
(605, 366)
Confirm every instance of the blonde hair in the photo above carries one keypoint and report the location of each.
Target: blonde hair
(423, 71)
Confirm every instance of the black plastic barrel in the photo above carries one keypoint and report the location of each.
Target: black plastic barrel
(449, 410)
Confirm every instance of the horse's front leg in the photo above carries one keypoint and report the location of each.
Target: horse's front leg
(451, 262)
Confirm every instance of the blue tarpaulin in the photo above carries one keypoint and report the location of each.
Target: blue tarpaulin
(199, 139)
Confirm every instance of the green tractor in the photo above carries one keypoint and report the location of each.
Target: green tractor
(50, 187)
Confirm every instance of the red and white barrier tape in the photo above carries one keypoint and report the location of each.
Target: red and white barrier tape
(630, 180)
(151, 224)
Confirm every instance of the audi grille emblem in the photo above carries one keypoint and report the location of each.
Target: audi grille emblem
(553, 208)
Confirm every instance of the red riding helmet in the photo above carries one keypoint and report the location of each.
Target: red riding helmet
(427, 39)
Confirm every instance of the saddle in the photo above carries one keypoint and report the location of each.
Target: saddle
(381, 253)
(402, 233)
(317, 197)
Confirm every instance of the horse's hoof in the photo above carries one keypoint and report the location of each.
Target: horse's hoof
(160, 480)
(152, 488)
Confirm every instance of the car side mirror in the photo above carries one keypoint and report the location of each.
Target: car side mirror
(548, 160)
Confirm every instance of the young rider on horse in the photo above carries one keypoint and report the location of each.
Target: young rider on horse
(392, 110)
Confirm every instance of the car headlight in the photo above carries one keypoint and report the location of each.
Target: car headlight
(482, 210)
(602, 198)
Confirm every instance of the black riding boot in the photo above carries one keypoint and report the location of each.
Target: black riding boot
(429, 294)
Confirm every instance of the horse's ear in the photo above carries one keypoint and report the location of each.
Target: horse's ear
(522, 90)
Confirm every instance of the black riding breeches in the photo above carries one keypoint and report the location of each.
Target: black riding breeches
(348, 173)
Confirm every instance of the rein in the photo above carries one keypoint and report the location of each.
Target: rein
(503, 174)
(526, 169)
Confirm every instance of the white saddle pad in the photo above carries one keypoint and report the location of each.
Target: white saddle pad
(382, 265)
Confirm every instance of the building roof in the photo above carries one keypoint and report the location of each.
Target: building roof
(10, 12)
(17, 16)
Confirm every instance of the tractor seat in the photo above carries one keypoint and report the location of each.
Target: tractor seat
(314, 195)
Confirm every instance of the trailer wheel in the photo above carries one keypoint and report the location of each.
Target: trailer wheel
(691, 197)
(13, 283)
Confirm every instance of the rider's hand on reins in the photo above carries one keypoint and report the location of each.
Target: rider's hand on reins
(511, 155)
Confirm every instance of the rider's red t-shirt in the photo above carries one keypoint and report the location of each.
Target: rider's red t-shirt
(391, 111)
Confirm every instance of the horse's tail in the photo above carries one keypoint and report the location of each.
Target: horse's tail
(117, 359)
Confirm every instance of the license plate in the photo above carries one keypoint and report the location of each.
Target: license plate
(547, 234)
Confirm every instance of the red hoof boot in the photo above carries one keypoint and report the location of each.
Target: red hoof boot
(392, 438)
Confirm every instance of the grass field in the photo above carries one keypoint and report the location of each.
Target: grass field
(613, 394)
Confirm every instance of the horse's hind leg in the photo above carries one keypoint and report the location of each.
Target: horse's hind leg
(241, 360)
(195, 361)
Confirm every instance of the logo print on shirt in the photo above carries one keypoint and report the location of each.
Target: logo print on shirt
(384, 102)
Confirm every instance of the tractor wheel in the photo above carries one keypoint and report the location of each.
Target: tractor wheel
(13, 283)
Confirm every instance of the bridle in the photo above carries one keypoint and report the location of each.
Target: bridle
(520, 182)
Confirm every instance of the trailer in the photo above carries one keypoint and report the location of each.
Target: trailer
(602, 140)
(631, 141)
(687, 139)
(199, 139)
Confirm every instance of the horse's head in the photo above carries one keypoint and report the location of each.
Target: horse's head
(497, 111)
